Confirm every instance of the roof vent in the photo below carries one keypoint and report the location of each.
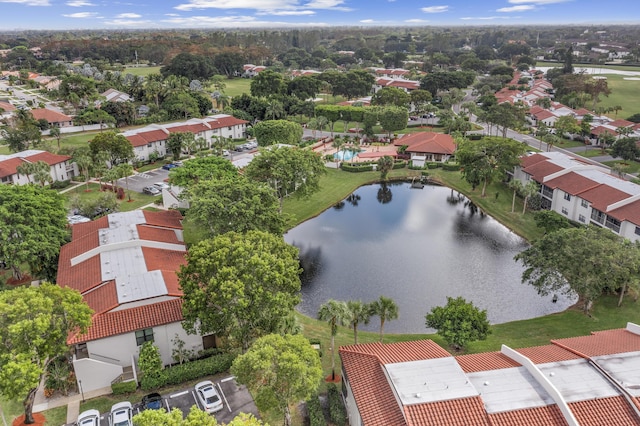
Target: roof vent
(486, 383)
(418, 395)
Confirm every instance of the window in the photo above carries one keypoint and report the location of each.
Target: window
(637, 230)
(567, 196)
(565, 211)
(613, 224)
(145, 335)
(581, 218)
(584, 204)
(148, 145)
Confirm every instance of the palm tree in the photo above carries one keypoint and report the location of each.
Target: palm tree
(54, 132)
(360, 313)
(335, 313)
(338, 143)
(529, 190)
(125, 170)
(274, 109)
(313, 125)
(82, 158)
(41, 172)
(516, 185)
(386, 309)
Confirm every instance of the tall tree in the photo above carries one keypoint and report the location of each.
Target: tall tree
(626, 148)
(393, 119)
(201, 169)
(34, 325)
(391, 96)
(268, 83)
(117, 148)
(288, 171)
(177, 141)
(41, 171)
(54, 132)
(385, 165)
(336, 313)
(360, 313)
(459, 322)
(270, 132)
(386, 309)
(279, 371)
(33, 227)
(239, 285)
(233, 204)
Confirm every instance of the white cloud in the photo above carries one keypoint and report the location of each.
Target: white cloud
(487, 18)
(79, 3)
(130, 23)
(538, 1)
(435, 9)
(171, 14)
(416, 21)
(28, 2)
(287, 12)
(521, 8)
(128, 16)
(81, 15)
(367, 21)
(267, 6)
(235, 22)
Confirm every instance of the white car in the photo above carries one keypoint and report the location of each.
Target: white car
(89, 418)
(121, 414)
(208, 397)
(161, 185)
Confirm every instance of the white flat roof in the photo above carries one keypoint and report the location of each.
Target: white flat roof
(439, 379)
(624, 368)
(577, 380)
(509, 389)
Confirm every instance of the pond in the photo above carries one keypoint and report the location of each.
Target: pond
(417, 246)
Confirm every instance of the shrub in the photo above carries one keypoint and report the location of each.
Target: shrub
(434, 165)
(425, 173)
(399, 165)
(451, 167)
(124, 387)
(337, 412)
(356, 168)
(60, 184)
(316, 416)
(189, 371)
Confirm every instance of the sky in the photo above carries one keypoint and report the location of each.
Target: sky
(142, 14)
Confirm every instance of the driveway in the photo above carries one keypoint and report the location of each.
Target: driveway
(140, 180)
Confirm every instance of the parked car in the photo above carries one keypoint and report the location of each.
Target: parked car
(151, 190)
(89, 418)
(251, 145)
(169, 166)
(121, 414)
(153, 401)
(161, 185)
(225, 153)
(208, 397)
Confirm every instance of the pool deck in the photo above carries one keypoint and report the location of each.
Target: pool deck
(367, 153)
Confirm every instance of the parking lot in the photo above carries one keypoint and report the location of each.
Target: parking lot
(235, 398)
(140, 180)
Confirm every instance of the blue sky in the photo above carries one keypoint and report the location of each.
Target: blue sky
(81, 14)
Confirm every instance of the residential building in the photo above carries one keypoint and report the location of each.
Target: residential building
(113, 95)
(584, 193)
(54, 118)
(405, 85)
(250, 70)
(124, 265)
(426, 147)
(62, 168)
(587, 380)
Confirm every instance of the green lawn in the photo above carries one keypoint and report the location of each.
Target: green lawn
(612, 67)
(137, 199)
(236, 86)
(629, 167)
(142, 70)
(624, 93)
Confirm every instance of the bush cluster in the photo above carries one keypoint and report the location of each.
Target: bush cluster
(316, 416)
(355, 168)
(124, 387)
(60, 184)
(337, 412)
(399, 165)
(434, 165)
(451, 167)
(189, 371)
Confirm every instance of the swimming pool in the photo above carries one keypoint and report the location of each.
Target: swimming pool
(345, 155)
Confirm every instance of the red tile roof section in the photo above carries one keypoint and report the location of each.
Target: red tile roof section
(539, 416)
(456, 412)
(168, 218)
(136, 140)
(172, 283)
(542, 169)
(547, 353)
(9, 167)
(428, 142)
(103, 298)
(153, 233)
(81, 229)
(220, 122)
(602, 196)
(604, 412)
(49, 158)
(390, 353)
(473, 363)
(49, 115)
(572, 183)
(602, 343)
(629, 212)
(376, 400)
(163, 260)
(81, 277)
(132, 319)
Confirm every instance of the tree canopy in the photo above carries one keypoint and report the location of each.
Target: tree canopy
(116, 147)
(391, 96)
(196, 417)
(34, 325)
(626, 148)
(459, 322)
(270, 132)
(234, 204)
(200, 169)
(580, 261)
(239, 285)
(33, 227)
(288, 171)
(193, 67)
(279, 371)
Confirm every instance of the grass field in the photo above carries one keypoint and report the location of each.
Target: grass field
(142, 70)
(137, 199)
(236, 86)
(624, 93)
(611, 67)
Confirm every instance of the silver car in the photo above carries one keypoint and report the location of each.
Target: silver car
(121, 414)
(89, 418)
(208, 397)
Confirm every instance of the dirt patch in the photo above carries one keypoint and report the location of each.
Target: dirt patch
(38, 417)
(25, 280)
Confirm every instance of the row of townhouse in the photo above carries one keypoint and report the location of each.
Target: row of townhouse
(153, 138)
(583, 192)
(61, 166)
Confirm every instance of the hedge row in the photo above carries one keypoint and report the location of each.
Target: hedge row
(399, 165)
(337, 412)
(451, 167)
(316, 416)
(356, 168)
(124, 387)
(189, 371)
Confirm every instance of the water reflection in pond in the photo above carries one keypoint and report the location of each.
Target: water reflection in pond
(417, 246)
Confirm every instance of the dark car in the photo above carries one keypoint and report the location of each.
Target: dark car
(169, 166)
(153, 401)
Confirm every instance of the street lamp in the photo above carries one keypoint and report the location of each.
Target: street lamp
(81, 392)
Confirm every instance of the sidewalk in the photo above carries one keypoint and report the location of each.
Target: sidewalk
(72, 401)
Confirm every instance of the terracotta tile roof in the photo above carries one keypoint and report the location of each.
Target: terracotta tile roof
(629, 212)
(163, 260)
(604, 411)
(81, 229)
(103, 298)
(49, 115)
(448, 413)
(583, 111)
(621, 122)
(539, 416)
(532, 159)
(49, 158)
(227, 121)
(473, 363)
(547, 353)
(82, 277)
(190, 128)
(404, 84)
(540, 170)
(572, 183)
(535, 109)
(167, 219)
(602, 343)
(602, 196)
(8, 167)
(132, 319)
(428, 142)
(600, 130)
(136, 140)
(7, 106)
(544, 114)
(153, 136)
(153, 233)
(390, 353)
(172, 283)
(376, 401)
